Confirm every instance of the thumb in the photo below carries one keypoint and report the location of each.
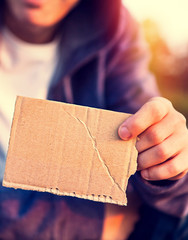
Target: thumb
(123, 131)
(150, 113)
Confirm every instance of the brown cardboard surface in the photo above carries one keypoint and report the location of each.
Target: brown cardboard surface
(69, 150)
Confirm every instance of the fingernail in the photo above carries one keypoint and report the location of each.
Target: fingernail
(145, 174)
(124, 133)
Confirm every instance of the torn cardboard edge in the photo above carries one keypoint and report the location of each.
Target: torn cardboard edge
(97, 198)
(34, 114)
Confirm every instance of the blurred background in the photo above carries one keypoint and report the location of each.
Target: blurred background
(165, 26)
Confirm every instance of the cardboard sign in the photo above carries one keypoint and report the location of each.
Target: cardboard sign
(69, 150)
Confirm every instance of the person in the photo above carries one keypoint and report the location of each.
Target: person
(91, 52)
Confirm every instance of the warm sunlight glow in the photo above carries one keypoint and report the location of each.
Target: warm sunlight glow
(170, 15)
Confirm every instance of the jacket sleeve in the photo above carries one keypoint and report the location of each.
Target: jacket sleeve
(129, 84)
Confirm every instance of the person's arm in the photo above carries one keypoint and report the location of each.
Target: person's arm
(162, 131)
(129, 83)
(162, 155)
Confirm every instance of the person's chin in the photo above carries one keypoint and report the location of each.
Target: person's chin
(35, 20)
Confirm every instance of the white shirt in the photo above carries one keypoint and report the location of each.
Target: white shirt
(25, 69)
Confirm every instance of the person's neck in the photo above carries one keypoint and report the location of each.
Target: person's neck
(30, 33)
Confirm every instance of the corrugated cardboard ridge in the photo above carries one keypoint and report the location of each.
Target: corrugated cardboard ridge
(47, 136)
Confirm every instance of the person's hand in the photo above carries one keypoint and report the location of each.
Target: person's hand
(162, 140)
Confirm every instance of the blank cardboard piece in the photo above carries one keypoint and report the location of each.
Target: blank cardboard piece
(70, 150)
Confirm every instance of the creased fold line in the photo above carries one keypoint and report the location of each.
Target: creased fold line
(97, 151)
